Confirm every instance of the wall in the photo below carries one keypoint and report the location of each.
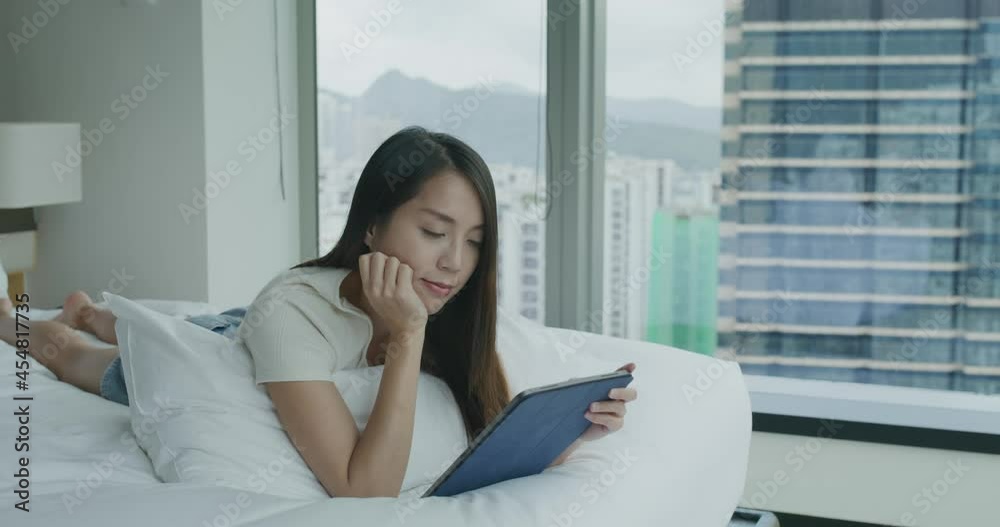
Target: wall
(126, 235)
(252, 229)
(869, 482)
(145, 228)
(6, 66)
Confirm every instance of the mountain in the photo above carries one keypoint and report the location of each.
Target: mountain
(516, 89)
(502, 123)
(668, 112)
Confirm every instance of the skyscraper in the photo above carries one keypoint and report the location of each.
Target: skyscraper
(861, 178)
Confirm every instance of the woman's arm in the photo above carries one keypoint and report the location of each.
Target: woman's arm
(373, 463)
(348, 462)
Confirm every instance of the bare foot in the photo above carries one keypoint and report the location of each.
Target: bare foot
(64, 352)
(77, 310)
(80, 312)
(61, 349)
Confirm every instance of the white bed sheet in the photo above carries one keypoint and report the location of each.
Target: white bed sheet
(686, 439)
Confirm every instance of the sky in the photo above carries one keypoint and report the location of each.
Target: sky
(665, 48)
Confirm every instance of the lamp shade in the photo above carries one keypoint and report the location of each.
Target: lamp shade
(39, 164)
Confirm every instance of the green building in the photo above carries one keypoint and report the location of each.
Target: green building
(682, 295)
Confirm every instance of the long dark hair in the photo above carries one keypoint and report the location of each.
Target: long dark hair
(460, 339)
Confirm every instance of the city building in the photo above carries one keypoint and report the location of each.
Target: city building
(521, 247)
(860, 220)
(660, 274)
(634, 190)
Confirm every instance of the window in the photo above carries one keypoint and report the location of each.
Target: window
(854, 77)
(870, 194)
(843, 10)
(854, 146)
(848, 221)
(806, 112)
(853, 43)
(658, 196)
(379, 70)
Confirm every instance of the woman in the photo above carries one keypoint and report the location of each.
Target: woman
(411, 284)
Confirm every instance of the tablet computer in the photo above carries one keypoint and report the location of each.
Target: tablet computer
(531, 432)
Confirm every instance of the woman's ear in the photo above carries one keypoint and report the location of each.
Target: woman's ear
(369, 235)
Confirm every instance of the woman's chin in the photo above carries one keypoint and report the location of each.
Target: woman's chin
(434, 307)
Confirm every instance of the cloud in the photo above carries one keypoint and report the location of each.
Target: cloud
(453, 44)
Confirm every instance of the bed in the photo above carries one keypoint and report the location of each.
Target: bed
(688, 433)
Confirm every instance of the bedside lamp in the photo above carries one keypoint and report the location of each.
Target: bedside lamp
(35, 171)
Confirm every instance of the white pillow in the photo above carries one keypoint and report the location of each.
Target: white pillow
(198, 414)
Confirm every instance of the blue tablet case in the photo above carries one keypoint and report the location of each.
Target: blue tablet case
(531, 432)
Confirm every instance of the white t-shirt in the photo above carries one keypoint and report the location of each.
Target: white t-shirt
(299, 328)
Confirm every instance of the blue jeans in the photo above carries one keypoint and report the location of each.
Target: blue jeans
(225, 324)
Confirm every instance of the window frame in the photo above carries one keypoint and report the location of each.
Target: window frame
(308, 133)
(575, 117)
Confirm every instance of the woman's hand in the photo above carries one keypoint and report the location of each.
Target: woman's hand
(609, 416)
(388, 285)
